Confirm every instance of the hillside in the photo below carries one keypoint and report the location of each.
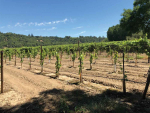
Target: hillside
(12, 40)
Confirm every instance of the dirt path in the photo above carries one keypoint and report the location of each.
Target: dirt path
(26, 85)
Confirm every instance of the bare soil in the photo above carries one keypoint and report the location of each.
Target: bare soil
(22, 85)
(102, 72)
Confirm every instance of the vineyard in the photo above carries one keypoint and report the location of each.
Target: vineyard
(116, 65)
(97, 62)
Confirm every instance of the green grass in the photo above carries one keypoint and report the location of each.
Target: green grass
(139, 57)
(130, 58)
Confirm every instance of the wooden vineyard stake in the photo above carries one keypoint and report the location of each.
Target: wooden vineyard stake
(80, 78)
(41, 60)
(21, 64)
(147, 84)
(136, 57)
(30, 61)
(80, 64)
(124, 84)
(15, 57)
(1, 71)
(148, 59)
(61, 56)
(5, 54)
(128, 57)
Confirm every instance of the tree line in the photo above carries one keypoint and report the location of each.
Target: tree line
(12, 40)
(134, 22)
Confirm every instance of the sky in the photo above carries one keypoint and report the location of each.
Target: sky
(61, 17)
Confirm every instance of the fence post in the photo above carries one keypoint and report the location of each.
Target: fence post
(1, 71)
(147, 84)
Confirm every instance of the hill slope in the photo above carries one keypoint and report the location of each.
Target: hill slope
(18, 40)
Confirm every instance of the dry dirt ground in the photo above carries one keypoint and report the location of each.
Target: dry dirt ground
(30, 91)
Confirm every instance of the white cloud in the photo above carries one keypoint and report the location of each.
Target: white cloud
(65, 20)
(52, 28)
(44, 29)
(49, 23)
(41, 23)
(78, 27)
(31, 23)
(18, 24)
(81, 33)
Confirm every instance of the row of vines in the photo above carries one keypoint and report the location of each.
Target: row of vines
(80, 51)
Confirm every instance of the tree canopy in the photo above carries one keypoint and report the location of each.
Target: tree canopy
(116, 33)
(138, 19)
(134, 22)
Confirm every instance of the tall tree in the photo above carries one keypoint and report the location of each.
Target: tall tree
(137, 19)
(116, 33)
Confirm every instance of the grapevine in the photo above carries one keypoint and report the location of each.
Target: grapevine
(115, 59)
(57, 64)
(91, 60)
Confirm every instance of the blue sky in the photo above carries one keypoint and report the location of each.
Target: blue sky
(61, 17)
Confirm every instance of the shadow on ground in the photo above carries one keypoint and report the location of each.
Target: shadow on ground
(78, 101)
